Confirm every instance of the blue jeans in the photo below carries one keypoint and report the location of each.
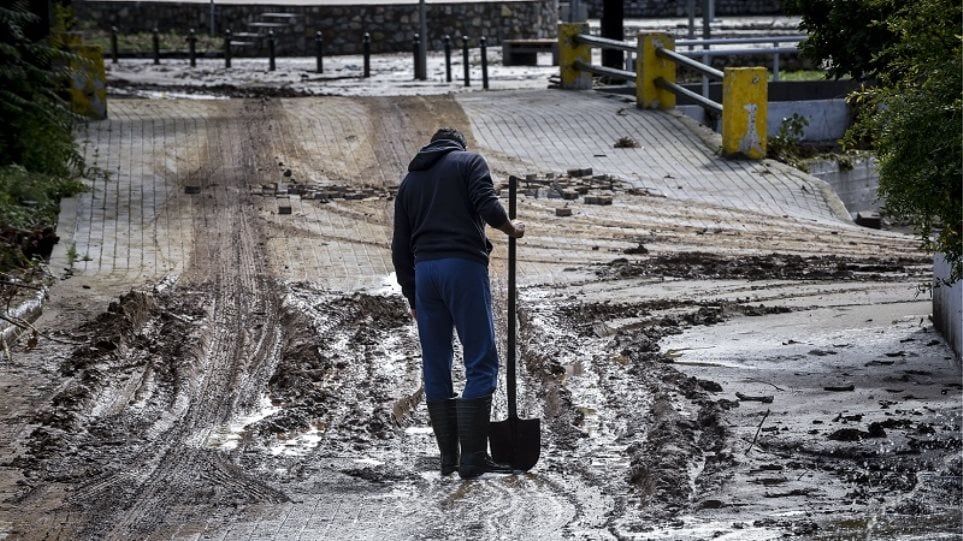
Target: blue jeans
(449, 293)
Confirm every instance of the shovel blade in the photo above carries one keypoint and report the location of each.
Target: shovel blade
(516, 442)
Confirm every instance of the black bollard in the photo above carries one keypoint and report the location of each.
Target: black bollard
(319, 49)
(227, 48)
(484, 60)
(192, 47)
(271, 65)
(464, 56)
(113, 44)
(155, 39)
(366, 48)
(416, 44)
(447, 58)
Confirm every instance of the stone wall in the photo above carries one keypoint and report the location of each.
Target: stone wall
(677, 8)
(391, 25)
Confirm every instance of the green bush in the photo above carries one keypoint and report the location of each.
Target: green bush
(36, 119)
(39, 159)
(30, 200)
(785, 145)
(142, 43)
(912, 111)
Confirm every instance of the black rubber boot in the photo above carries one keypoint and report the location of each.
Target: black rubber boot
(473, 419)
(444, 423)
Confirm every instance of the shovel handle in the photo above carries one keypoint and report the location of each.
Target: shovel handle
(510, 360)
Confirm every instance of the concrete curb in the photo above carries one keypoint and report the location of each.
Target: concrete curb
(66, 229)
(28, 311)
(31, 309)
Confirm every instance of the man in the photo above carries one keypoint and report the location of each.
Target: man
(440, 254)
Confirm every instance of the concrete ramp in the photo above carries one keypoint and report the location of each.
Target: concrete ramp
(555, 131)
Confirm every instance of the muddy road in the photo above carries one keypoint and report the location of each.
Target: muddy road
(266, 383)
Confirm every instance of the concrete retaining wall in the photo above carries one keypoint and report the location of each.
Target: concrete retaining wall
(857, 186)
(948, 306)
(27, 311)
(391, 25)
(828, 119)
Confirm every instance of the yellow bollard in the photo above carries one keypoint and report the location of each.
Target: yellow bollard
(649, 67)
(569, 52)
(88, 82)
(745, 102)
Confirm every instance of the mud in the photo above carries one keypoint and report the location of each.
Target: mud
(221, 90)
(699, 265)
(229, 400)
(340, 334)
(619, 419)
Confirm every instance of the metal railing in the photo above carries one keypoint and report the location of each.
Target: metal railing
(706, 53)
(605, 43)
(744, 97)
(707, 71)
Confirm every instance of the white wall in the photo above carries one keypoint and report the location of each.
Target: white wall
(856, 187)
(828, 119)
(948, 306)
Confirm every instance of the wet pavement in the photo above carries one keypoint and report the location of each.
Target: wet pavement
(262, 380)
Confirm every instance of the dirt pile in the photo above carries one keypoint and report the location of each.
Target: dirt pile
(126, 345)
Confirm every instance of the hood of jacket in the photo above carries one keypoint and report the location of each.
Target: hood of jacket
(430, 154)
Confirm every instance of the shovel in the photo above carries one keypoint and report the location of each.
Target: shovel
(514, 441)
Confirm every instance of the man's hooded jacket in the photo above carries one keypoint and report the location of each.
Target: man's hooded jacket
(441, 210)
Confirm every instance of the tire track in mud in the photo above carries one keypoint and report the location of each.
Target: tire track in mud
(239, 344)
(149, 457)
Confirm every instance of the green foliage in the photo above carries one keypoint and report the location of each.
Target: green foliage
(846, 34)
(38, 155)
(802, 75)
(142, 43)
(72, 255)
(913, 114)
(30, 200)
(914, 118)
(36, 120)
(785, 145)
(29, 203)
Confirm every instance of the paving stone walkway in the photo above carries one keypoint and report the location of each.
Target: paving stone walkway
(138, 223)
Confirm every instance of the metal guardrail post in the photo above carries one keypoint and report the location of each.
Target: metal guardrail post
(319, 50)
(192, 47)
(155, 45)
(366, 49)
(447, 41)
(569, 51)
(483, 43)
(227, 48)
(271, 65)
(464, 57)
(706, 34)
(649, 67)
(113, 45)
(744, 112)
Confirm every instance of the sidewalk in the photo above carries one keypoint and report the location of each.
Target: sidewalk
(139, 222)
